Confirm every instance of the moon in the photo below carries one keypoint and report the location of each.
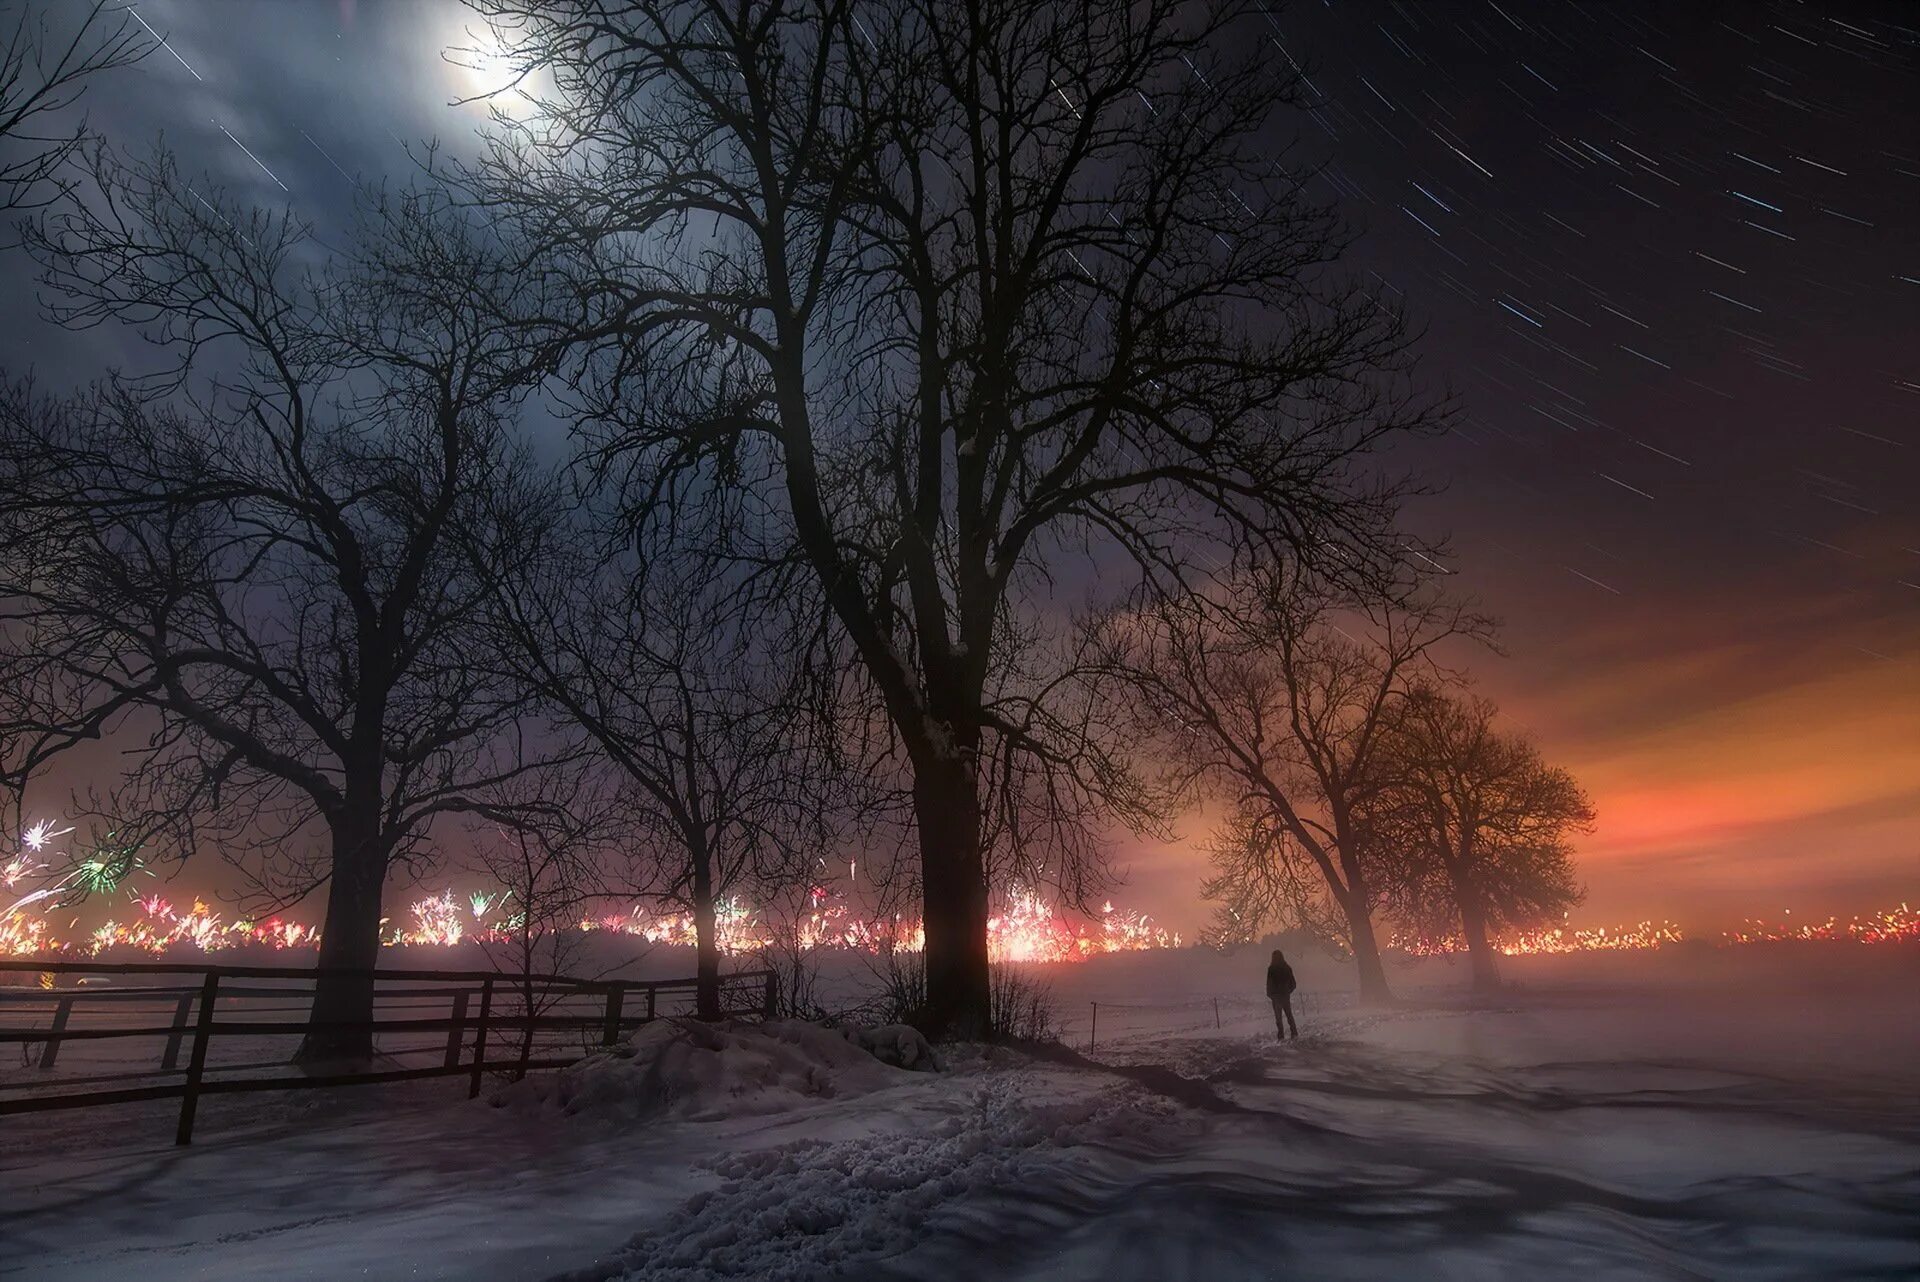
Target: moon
(480, 71)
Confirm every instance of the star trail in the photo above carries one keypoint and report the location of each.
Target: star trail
(1664, 256)
(1666, 259)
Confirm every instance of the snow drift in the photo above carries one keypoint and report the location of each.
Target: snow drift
(687, 1069)
(900, 1045)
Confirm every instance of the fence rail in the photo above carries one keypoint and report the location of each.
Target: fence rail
(550, 1020)
(1115, 1021)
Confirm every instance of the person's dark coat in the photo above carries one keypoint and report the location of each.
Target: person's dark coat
(1280, 980)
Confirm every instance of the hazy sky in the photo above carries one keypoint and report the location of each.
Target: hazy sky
(1666, 255)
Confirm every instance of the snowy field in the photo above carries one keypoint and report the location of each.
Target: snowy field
(1692, 1117)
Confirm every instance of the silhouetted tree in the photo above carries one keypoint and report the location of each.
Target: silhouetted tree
(975, 301)
(1493, 822)
(706, 724)
(1280, 698)
(548, 857)
(44, 66)
(247, 565)
(1262, 879)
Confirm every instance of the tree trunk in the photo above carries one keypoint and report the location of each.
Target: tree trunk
(349, 949)
(1473, 924)
(706, 989)
(1366, 946)
(527, 998)
(953, 879)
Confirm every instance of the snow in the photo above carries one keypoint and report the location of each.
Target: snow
(1609, 1119)
(898, 1044)
(809, 1208)
(706, 1072)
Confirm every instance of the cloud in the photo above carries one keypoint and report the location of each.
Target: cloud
(1806, 783)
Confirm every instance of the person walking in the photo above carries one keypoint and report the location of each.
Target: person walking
(1280, 986)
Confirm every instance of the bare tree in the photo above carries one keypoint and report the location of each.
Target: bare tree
(793, 946)
(1280, 699)
(978, 302)
(44, 68)
(246, 566)
(1493, 820)
(1262, 878)
(653, 658)
(547, 860)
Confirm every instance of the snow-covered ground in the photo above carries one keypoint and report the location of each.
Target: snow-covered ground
(1607, 1119)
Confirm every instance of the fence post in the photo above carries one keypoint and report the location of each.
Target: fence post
(653, 995)
(197, 1062)
(616, 998)
(1216, 1012)
(61, 1013)
(1094, 1031)
(170, 1059)
(771, 1004)
(459, 1027)
(480, 1037)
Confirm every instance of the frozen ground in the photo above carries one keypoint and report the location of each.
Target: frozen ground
(1605, 1121)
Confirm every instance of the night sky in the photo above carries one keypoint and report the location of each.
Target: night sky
(1666, 256)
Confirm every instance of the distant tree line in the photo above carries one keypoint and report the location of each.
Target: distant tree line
(796, 434)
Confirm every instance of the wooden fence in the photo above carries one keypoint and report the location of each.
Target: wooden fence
(548, 1021)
